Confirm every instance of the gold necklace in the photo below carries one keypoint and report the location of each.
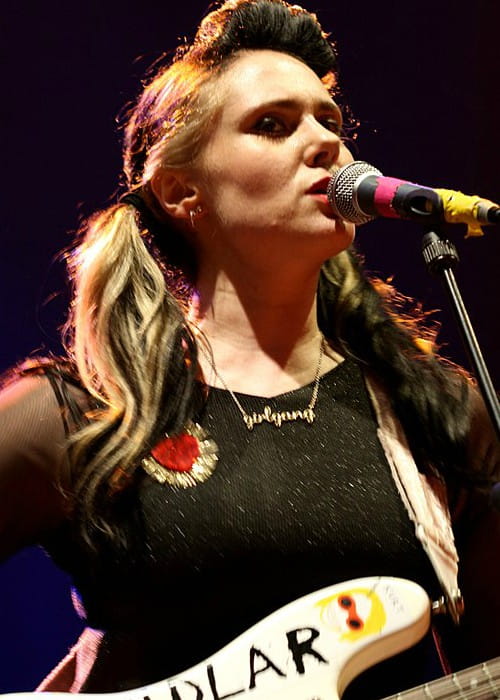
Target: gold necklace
(276, 418)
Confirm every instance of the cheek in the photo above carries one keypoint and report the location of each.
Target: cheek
(345, 155)
(246, 171)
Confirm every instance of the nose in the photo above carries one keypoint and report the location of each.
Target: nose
(322, 146)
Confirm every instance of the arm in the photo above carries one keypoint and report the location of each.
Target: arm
(35, 484)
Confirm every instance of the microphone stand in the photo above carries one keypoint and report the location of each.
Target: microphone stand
(440, 256)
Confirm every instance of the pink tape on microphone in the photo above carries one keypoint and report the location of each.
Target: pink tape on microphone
(384, 194)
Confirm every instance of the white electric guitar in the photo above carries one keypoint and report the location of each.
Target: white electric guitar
(312, 648)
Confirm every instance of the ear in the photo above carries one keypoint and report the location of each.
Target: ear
(175, 192)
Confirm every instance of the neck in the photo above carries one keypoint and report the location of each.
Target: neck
(264, 338)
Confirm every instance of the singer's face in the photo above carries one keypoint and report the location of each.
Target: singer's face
(264, 169)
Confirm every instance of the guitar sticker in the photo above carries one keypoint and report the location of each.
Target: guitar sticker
(353, 614)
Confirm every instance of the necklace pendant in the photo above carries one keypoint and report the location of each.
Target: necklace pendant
(277, 418)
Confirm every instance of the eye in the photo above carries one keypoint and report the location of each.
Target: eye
(354, 624)
(332, 124)
(269, 125)
(345, 602)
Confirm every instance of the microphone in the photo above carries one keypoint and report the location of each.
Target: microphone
(358, 192)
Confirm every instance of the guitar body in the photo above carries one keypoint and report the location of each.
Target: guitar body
(308, 650)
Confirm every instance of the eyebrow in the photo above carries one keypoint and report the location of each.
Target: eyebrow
(291, 103)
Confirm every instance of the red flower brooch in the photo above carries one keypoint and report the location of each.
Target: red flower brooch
(183, 460)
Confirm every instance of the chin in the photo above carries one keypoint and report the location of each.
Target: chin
(330, 248)
(342, 236)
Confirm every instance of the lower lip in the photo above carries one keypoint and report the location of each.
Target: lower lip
(321, 197)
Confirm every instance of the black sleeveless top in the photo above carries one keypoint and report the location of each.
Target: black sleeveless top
(287, 511)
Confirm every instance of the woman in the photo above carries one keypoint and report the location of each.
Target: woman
(224, 427)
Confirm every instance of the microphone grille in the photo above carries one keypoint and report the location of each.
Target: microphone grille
(341, 191)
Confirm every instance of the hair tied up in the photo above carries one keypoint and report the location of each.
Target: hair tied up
(147, 220)
(135, 200)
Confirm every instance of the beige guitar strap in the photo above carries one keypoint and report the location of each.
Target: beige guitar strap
(424, 497)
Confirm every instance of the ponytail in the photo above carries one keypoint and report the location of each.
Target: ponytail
(132, 349)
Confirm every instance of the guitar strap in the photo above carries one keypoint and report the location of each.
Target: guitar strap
(424, 496)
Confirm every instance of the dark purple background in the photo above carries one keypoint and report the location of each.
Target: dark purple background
(422, 78)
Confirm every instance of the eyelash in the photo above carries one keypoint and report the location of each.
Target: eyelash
(263, 123)
(333, 126)
(260, 127)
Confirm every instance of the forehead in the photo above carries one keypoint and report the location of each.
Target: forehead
(261, 76)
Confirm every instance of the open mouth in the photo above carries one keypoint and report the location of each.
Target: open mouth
(319, 187)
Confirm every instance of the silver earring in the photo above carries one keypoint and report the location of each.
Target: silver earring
(193, 213)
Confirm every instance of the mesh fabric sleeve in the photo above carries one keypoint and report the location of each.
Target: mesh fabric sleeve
(35, 483)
